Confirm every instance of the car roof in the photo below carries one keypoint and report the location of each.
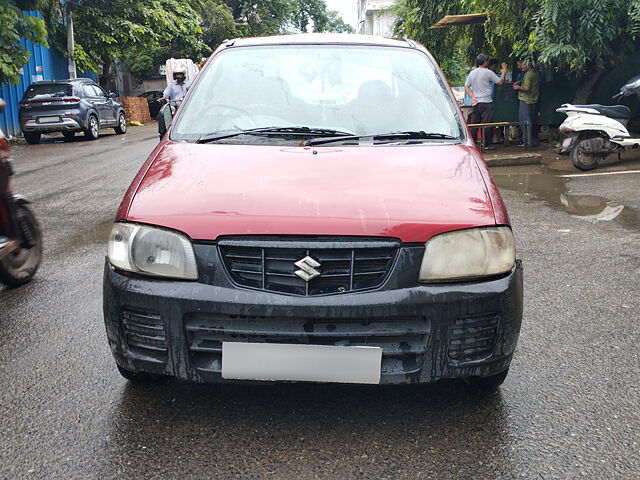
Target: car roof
(321, 38)
(68, 80)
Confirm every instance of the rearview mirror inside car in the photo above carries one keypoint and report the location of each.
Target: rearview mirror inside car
(165, 117)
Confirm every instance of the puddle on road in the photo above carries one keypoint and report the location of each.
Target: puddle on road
(555, 191)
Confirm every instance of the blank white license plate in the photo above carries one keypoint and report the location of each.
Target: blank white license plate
(48, 119)
(310, 363)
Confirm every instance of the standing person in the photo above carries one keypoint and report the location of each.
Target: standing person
(176, 90)
(478, 86)
(528, 95)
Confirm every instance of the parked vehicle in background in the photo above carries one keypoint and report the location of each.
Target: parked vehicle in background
(317, 211)
(69, 106)
(596, 131)
(152, 96)
(20, 236)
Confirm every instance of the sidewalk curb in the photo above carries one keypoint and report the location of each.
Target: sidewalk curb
(515, 160)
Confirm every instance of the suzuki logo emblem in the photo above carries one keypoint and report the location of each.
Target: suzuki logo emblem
(307, 268)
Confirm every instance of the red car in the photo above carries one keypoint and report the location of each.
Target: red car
(316, 211)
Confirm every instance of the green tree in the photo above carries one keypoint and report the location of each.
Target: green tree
(270, 17)
(218, 23)
(580, 38)
(13, 26)
(107, 30)
(585, 38)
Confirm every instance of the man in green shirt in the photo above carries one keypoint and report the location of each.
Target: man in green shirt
(528, 95)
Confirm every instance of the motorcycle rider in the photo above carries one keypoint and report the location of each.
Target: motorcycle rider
(175, 91)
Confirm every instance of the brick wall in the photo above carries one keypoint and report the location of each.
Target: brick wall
(136, 108)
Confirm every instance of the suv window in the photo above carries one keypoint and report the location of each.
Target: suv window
(50, 90)
(365, 90)
(88, 91)
(99, 91)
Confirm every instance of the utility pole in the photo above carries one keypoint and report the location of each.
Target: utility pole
(71, 47)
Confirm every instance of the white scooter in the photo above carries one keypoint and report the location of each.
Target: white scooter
(595, 131)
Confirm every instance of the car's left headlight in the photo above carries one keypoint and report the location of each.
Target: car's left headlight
(151, 251)
(464, 255)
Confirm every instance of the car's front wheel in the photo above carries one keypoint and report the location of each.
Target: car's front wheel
(32, 138)
(93, 128)
(122, 124)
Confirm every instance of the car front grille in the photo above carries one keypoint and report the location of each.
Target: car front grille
(403, 340)
(145, 333)
(343, 266)
(472, 338)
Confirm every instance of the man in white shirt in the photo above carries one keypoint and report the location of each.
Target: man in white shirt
(175, 91)
(479, 87)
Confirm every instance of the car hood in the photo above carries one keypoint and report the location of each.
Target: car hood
(405, 192)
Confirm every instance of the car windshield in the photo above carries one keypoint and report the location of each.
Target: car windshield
(51, 90)
(357, 90)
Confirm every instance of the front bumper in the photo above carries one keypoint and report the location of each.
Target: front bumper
(427, 333)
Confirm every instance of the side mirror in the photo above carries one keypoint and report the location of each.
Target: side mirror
(112, 95)
(165, 117)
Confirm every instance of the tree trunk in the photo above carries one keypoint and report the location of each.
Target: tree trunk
(585, 89)
(105, 78)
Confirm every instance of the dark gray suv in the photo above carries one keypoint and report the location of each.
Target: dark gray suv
(69, 106)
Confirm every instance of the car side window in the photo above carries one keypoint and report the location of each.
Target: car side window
(88, 91)
(99, 91)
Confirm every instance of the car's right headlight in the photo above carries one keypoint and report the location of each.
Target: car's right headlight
(151, 251)
(464, 255)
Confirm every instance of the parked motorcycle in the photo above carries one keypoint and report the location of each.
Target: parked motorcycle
(20, 236)
(595, 131)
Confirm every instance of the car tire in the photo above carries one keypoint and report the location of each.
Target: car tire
(20, 266)
(139, 377)
(487, 384)
(32, 138)
(68, 135)
(122, 124)
(93, 128)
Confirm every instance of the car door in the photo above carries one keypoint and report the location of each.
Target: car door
(91, 96)
(107, 113)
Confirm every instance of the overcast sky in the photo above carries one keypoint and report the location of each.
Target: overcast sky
(348, 9)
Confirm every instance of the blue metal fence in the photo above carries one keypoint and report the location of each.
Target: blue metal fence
(44, 64)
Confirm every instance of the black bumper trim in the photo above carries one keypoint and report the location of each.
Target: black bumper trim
(440, 305)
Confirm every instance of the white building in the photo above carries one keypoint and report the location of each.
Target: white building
(375, 17)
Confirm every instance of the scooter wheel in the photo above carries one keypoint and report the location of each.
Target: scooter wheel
(21, 265)
(583, 154)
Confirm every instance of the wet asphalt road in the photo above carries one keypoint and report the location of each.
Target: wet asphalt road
(569, 408)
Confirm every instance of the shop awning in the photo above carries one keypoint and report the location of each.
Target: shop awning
(457, 20)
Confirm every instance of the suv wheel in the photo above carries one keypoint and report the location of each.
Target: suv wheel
(122, 124)
(68, 135)
(32, 137)
(93, 129)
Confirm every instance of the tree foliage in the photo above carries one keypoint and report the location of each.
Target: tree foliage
(15, 25)
(143, 34)
(581, 38)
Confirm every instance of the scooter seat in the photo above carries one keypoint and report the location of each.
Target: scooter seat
(615, 111)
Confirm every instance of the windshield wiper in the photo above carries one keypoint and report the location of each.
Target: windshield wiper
(276, 130)
(408, 135)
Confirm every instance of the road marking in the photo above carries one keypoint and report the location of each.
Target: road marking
(596, 174)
